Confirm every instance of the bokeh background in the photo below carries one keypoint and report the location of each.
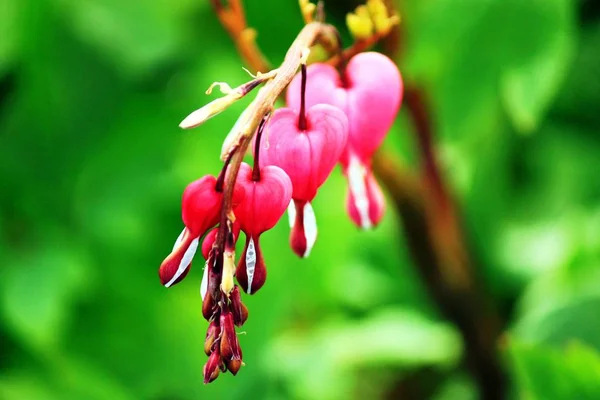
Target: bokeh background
(92, 167)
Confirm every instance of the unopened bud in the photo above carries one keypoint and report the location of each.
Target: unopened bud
(238, 309)
(234, 366)
(211, 368)
(228, 265)
(208, 306)
(212, 333)
(230, 346)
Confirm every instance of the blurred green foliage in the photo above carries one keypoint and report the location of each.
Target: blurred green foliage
(92, 167)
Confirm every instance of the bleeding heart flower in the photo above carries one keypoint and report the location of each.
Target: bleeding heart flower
(200, 209)
(369, 92)
(265, 202)
(307, 146)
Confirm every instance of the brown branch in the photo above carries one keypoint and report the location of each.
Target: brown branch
(233, 20)
(439, 247)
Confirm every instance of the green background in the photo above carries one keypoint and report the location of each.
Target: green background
(92, 166)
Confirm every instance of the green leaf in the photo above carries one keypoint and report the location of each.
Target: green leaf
(9, 36)
(544, 51)
(560, 307)
(134, 34)
(546, 373)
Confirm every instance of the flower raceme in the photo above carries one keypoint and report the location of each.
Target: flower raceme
(331, 118)
(307, 146)
(369, 92)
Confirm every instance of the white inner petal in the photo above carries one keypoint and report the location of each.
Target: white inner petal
(310, 228)
(204, 284)
(356, 179)
(185, 261)
(250, 263)
(292, 213)
(179, 239)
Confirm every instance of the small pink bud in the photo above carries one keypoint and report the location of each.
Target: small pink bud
(265, 202)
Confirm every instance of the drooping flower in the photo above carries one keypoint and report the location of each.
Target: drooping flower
(265, 201)
(306, 145)
(200, 211)
(369, 92)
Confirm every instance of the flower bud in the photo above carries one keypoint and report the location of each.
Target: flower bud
(234, 366)
(229, 346)
(208, 306)
(211, 368)
(212, 334)
(238, 309)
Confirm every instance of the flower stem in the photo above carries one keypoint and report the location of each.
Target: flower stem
(302, 125)
(257, 142)
(221, 177)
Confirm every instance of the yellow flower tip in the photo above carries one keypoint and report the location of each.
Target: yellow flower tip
(307, 9)
(377, 8)
(359, 27)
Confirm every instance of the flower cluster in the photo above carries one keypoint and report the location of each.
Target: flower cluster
(333, 116)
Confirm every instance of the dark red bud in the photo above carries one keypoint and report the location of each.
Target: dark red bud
(208, 306)
(211, 368)
(230, 346)
(234, 366)
(212, 334)
(238, 309)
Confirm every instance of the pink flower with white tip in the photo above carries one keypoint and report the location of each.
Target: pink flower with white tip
(369, 92)
(306, 145)
(268, 193)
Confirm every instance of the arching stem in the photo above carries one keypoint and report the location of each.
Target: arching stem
(257, 143)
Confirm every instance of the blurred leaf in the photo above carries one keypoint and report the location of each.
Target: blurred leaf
(457, 387)
(135, 35)
(38, 289)
(336, 350)
(546, 373)
(545, 47)
(561, 306)
(19, 386)
(9, 35)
